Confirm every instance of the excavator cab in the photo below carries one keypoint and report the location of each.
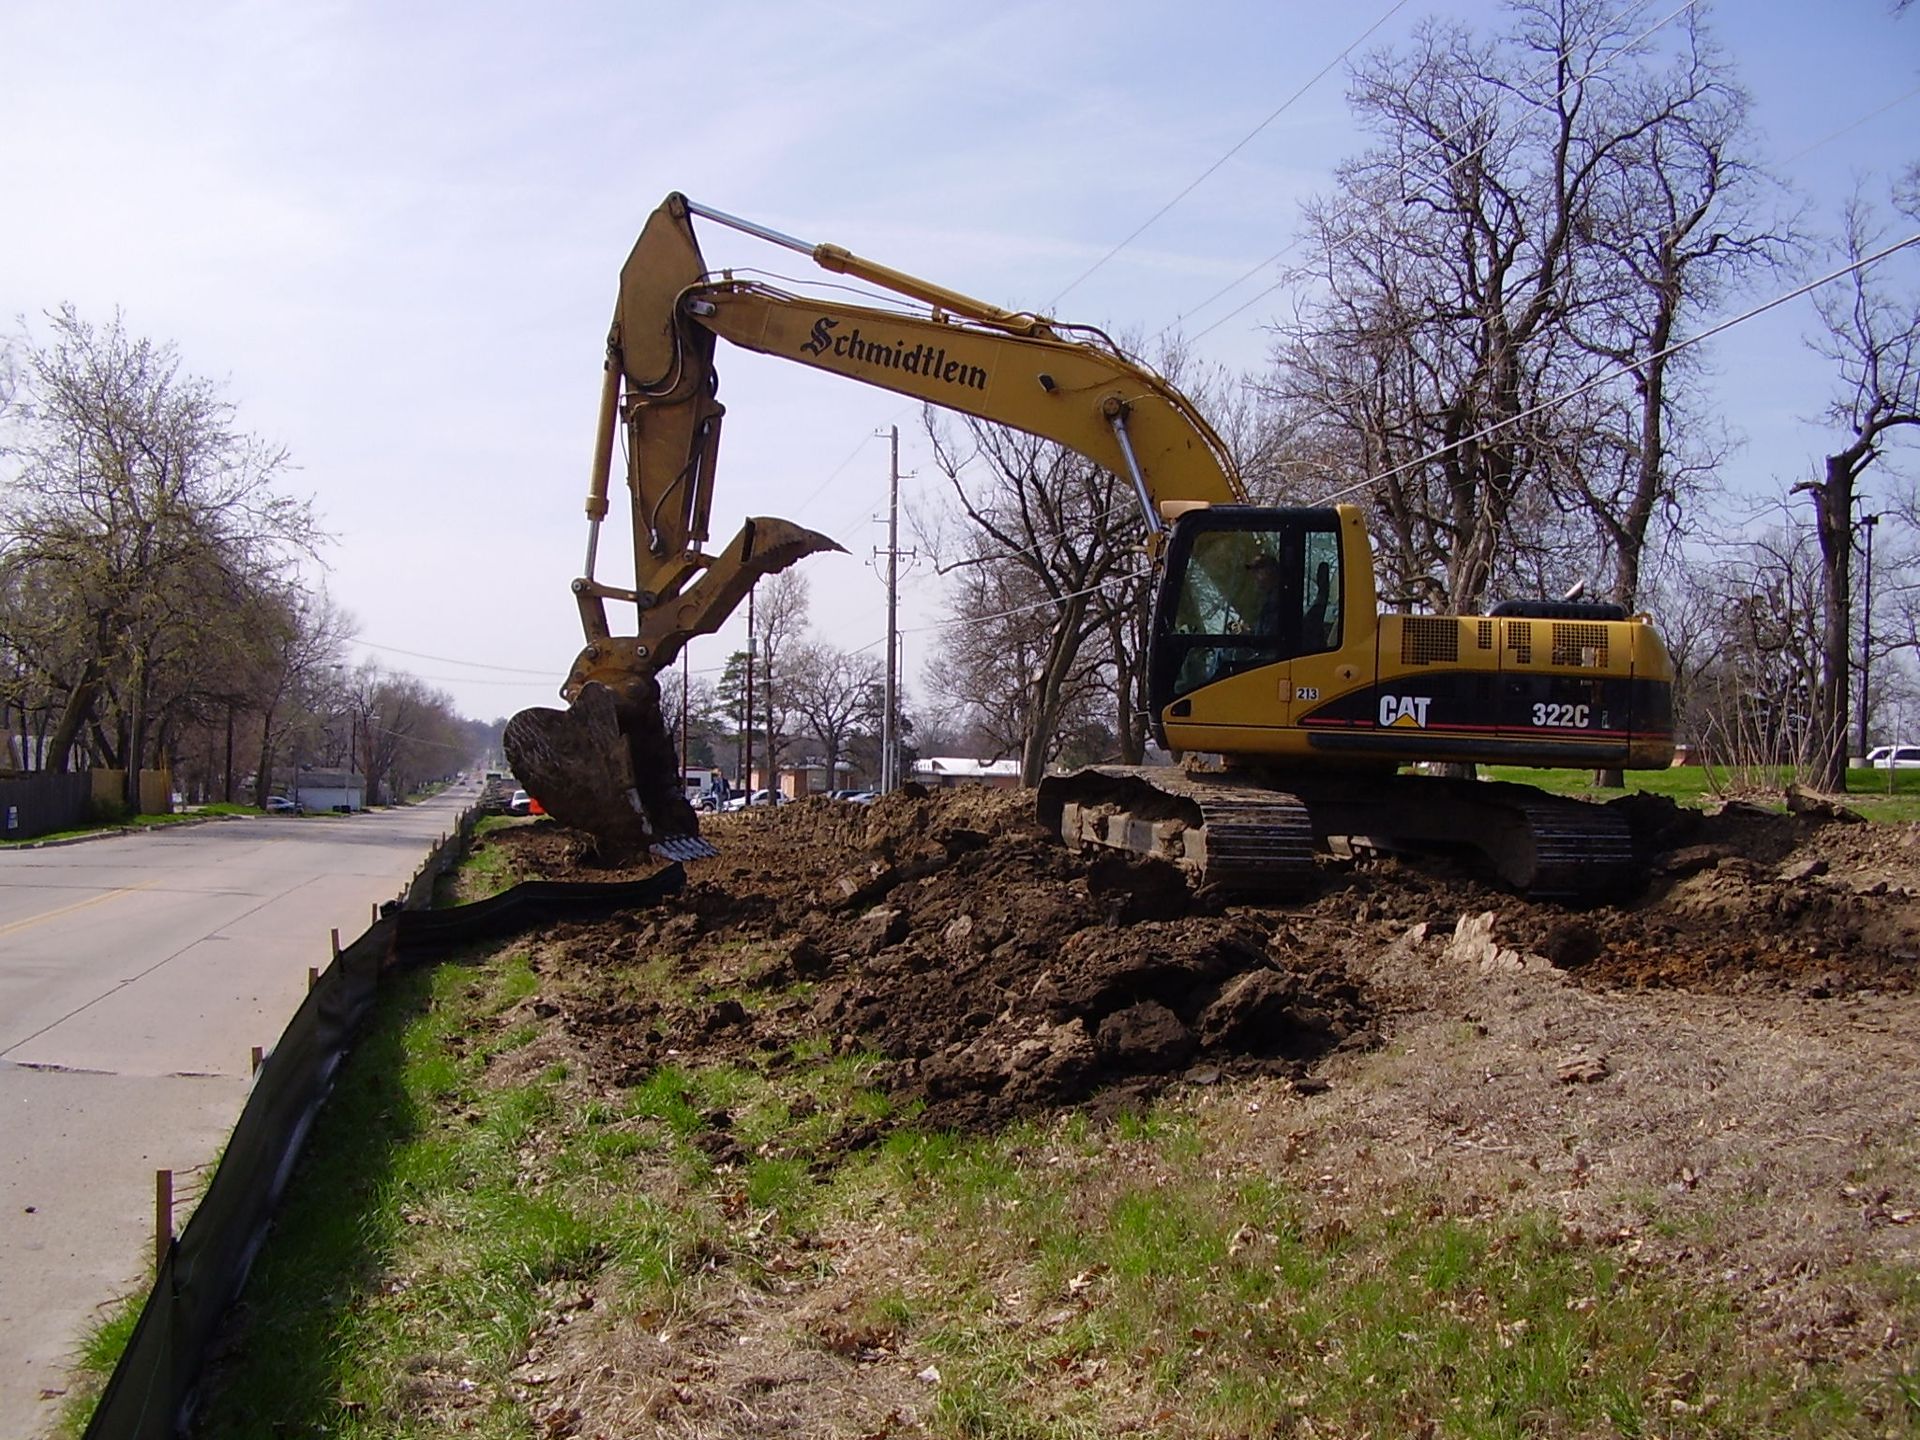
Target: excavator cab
(1245, 587)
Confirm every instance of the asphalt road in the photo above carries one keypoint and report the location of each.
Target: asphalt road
(136, 974)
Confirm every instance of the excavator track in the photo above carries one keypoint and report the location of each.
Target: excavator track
(1262, 835)
(1223, 831)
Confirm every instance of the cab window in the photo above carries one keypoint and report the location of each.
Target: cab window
(1320, 593)
(1251, 597)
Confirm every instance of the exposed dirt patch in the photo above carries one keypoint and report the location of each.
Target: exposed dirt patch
(998, 973)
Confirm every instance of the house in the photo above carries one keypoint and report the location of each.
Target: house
(947, 771)
(811, 777)
(323, 789)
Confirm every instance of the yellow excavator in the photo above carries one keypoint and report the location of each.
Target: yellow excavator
(1292, 702)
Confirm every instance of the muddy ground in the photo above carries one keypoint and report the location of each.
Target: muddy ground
(1003, 974)
(1738, 1037)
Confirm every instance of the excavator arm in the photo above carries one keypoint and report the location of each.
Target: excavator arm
(1070, 386)
(606, 765)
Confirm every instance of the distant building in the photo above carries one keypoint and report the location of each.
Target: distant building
(947, 771)
(323, 789)
(811, 777)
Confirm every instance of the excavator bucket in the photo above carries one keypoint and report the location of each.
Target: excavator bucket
(620, 783)
(608, 765)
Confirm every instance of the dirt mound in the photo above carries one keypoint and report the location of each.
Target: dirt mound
(999, 974)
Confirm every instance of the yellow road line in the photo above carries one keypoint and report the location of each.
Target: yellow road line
(77, 905)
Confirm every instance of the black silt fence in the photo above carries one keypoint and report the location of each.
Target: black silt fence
(151, 1391)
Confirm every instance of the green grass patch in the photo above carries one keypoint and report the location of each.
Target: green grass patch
(100, 1351)
(108, 825)
(1891, 797)
(1247, 1309)
(487, 870)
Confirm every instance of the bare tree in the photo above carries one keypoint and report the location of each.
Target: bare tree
(1045, 531)
(1871, 334)
(692, 704)
(142, 507)
(992, 670)
(833, 693)
(779, 620)
(1754, 672)
(1680, 217)
(1541, 206)
(410, 734)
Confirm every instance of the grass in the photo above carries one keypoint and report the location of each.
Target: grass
(487, 869)
(1067, 1278)
(1243, 1308)
(135, 822)
(100, 1351)
(1891, 797)
(114, 824)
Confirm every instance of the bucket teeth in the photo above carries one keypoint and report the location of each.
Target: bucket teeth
(683, 847)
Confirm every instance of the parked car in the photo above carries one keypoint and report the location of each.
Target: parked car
(1894, 757)
(281, 805)
(520, 803)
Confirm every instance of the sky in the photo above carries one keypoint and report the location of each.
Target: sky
(392, 234)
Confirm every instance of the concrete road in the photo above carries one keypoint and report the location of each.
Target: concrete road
(136, 973)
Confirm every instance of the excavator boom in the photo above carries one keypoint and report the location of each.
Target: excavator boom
(606, 764)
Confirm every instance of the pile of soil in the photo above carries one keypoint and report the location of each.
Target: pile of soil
(1000, 974)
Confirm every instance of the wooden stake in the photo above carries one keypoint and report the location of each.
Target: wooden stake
(313, 976)
(336, 943)
(162, 1216)
(259, 1058)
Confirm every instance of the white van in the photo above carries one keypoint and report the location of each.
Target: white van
(1894, 757)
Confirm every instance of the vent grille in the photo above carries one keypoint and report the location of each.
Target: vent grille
(1579, 644)
(1486, 634)
(1520, 641)
(1427, 639)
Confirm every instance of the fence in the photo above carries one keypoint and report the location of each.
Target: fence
(40, 802)
(156, 789)
(150, 1393)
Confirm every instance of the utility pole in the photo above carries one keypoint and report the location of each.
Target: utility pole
(889, 740)
(1869, 523)
(746, 772)
(686, 675)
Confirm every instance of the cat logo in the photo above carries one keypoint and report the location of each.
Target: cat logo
(1405, 710)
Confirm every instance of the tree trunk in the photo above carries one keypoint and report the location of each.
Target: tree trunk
(263, 778)
(73, 715)
(1130, 694)
(1833, 526)
(1044, 718)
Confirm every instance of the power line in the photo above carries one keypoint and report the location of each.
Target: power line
(1614, 374)
(1192, 185)
(1404, 170)
(1805, 151)
(446, 659)
(1574, 393)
